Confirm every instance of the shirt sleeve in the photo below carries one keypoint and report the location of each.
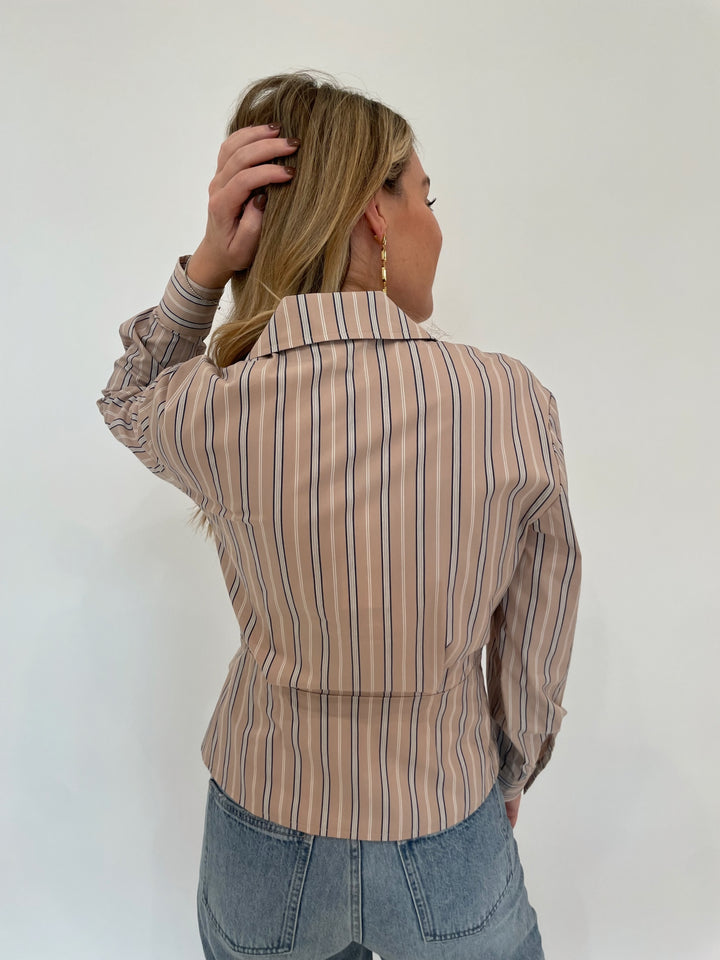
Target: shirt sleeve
(164, 361)
(532, 635)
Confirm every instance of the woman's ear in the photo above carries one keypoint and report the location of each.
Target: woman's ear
(375, 219)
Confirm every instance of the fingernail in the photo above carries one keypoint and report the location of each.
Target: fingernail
(293, 142)
(274, 126)
(290, 171)
(260, 199)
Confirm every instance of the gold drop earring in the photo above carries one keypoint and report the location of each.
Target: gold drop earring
(383, 262)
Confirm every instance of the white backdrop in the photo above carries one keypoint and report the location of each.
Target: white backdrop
(574, 146)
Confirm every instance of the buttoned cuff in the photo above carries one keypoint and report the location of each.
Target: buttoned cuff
(187, 308)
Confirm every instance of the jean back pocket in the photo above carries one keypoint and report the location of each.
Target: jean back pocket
(458, 877)
(252, 876)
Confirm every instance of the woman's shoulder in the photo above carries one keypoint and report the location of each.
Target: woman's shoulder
(516, 372)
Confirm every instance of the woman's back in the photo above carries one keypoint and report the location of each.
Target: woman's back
(381, 503)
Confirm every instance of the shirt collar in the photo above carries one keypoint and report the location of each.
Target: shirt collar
(315, 317)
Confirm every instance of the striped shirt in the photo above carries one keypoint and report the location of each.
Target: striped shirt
(385, 504)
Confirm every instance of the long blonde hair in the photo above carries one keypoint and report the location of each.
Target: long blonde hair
(351, 146)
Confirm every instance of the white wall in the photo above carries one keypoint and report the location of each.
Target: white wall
(575, 149)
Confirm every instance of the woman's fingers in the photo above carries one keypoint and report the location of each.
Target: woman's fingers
(243, 137)
(246, 155)
(226, 203)
(234, 225)
(246, 236)
(512, 808)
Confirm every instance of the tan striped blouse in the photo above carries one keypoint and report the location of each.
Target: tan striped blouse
(385, 504)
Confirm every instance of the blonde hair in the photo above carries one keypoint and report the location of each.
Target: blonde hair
(351, 146)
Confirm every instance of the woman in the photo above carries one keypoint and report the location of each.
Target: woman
(385, 505)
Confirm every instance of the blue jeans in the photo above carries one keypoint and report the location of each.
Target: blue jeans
(268, 890)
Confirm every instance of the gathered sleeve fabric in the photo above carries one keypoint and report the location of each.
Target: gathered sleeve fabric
(161, 373)
(532, 633)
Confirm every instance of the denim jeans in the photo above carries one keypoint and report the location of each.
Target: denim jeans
(267, 890)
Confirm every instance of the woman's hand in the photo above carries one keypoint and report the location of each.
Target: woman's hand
(233, 224)
(511, 808)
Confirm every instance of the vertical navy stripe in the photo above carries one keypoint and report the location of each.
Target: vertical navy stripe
(378, 757)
